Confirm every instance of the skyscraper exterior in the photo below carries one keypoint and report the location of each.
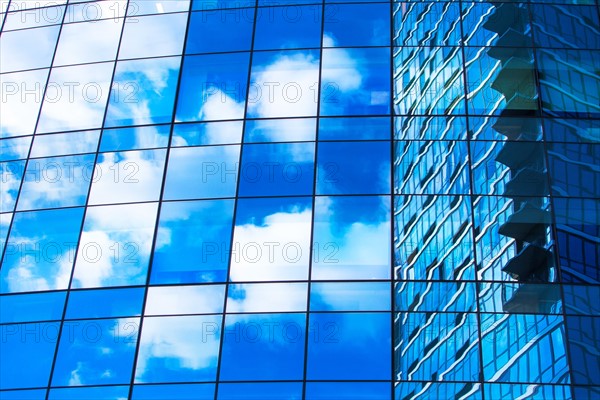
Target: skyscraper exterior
(299, 199)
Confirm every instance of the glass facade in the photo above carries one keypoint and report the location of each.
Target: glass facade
(294, 199)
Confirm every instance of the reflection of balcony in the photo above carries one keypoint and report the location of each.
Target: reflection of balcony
(528, 224)
(516, 155)
(506, 16)
(531, 259)
(531, 298)
(527, 183)
(515, 77)
(515, 128)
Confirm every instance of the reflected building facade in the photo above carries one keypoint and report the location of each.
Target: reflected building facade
(299, 199)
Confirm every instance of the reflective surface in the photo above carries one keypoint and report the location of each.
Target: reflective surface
(299, 199)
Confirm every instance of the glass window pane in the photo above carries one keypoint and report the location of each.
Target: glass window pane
(266, 297)
(96, 352)
(193, 242)
(115, 245)
(260, 347)
(143, 137)
(92, 393)
(127, 177)
(65, 143)
(88, 42)
(27, 48)
(26, 359)
(271, 239)
(349, 346)
(353, 168)
(347, 390)
(176, 349)
(280, 130)
(202, 391)
(370, 128)
(226, 132)
(351, 238)
(350, 296)
(212, 32)
(288, 27)
(153, 36)
(32, 307)
(75, 98)
(11, 174)
(172, 300)
(213, 87)
(56, 182)
(40, 251)
(143, 92)
(202, 172)
(260, 391)
(277, 169)
(357, 25)
(105, 303)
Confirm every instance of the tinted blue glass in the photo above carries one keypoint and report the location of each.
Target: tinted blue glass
(135, 138)
(357, 25)
(216, 5)
(41, 247)
(207, 133)
(288, 27)
(193, 242)
(280, 130)
(354, 128)
(221, 31)
(179, 349)
(14, 149)
(105, 303)
(349, 346)
(11, 174)
(469, 390)
(263, 347)
(27, 353)
(260, 391)
(32, 307)
(573, 169)
(501, 391)
(95, 352)
(277, 169)
(24, 394)
(143, 92)
(353, 168)
(202, 172)
(347, 390)
(427, 24)
(94, 393)
(584, 338)
(576, 26)
(355, 81)
(435, 296)
(213, 87)
(350, 296)
(205, 391)
(351, 238)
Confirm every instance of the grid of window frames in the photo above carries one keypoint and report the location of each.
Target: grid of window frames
(297, 199)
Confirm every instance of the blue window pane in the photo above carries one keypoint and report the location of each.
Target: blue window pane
(431, 128)
(427, 24)
(41, 248)
(56, 182)
(266, 297)
(217, 5)
(179, 349)
(357, 25)
(263, 347)
(105, 303)
(202, 172)
(350, 296)
(351, 238)
(173, 300)
(584, 339)
(203, 391)
(277, 169)
(349, 346)
(96, 352)
(24, 394)
(27, 352)
(541, 392)
(288, 27)
(213, 87)
(348, 390)
(271, 240)
(469, 390)
(369, 128)
(280, 130)
(435, 296)
(193, 242)
(284, 84)
(355, 81)
(32, 307)
(207, 133)
(143, 92)
(93, 393)
(353, 168)
(14, 149)
(260, 391)
(437, 347)
(115, 244)
(144, 137)
(11, 174)
(211, 32)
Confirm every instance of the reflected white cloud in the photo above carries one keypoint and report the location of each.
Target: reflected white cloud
(277, 249)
